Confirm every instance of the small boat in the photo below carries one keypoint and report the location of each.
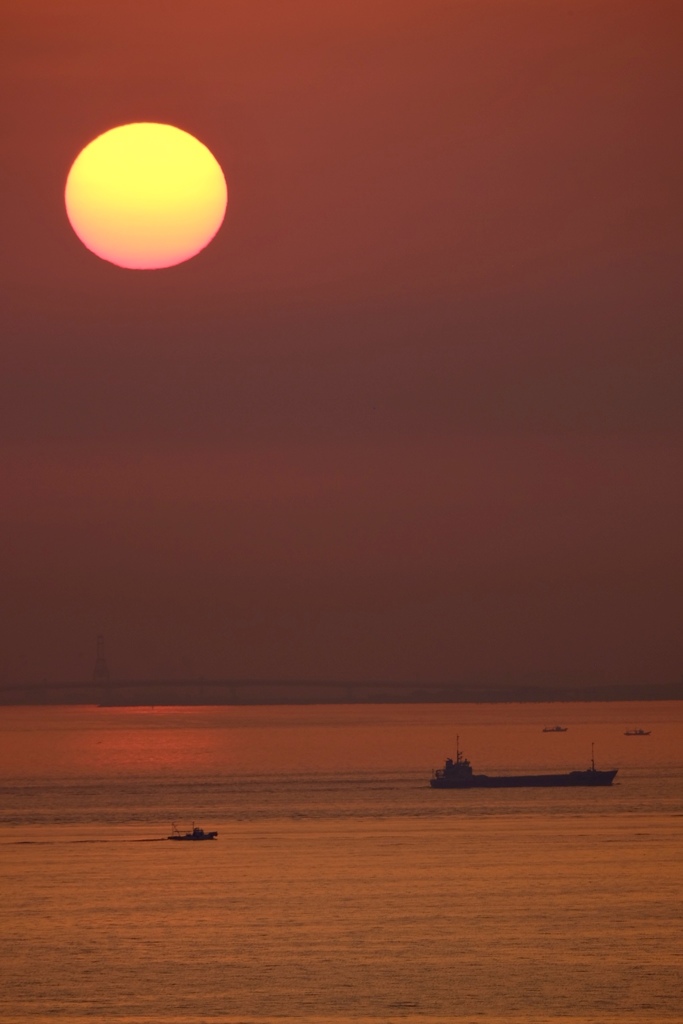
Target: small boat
(195, 835)
(458, 774)
(555, 728)
(637, 732)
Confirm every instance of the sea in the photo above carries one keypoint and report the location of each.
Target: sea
(341, 889)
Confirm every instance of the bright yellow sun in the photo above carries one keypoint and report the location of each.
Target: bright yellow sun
(145, 196)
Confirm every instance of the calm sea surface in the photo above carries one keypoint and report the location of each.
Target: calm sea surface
(341, 888)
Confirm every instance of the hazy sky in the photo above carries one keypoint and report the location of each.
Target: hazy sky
(417, 411)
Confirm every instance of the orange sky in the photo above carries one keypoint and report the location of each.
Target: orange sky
(416, 411)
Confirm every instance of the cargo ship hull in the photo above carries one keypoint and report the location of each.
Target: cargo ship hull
(584, 778)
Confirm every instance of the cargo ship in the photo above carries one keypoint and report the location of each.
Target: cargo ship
(458, 774)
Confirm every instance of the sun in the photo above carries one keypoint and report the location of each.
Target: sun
(145, 196)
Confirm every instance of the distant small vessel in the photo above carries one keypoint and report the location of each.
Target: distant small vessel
(555, 728)
(458, 774)
(196, 835)
(637, 732)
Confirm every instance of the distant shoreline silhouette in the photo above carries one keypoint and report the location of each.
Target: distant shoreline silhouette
(205, 692)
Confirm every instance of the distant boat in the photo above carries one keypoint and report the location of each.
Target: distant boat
(196, 835)
(555, 728)
(637, 732)
(458, 774)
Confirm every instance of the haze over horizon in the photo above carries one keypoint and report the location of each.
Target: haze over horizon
(415, 413)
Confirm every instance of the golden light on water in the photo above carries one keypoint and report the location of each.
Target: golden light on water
(146, 196)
